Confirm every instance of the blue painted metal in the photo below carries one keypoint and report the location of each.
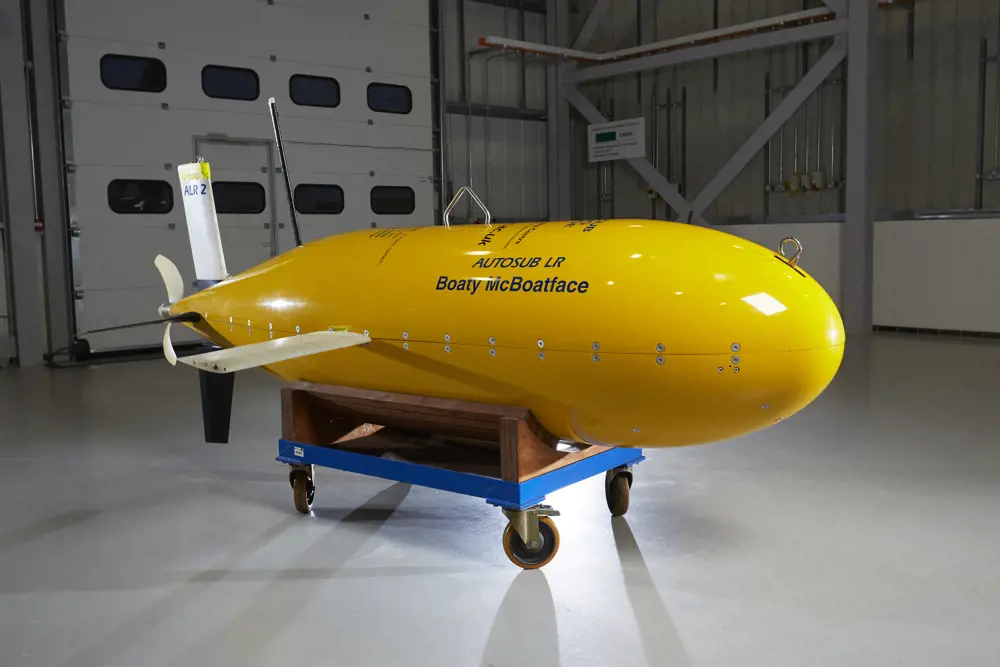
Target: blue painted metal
(511, 495)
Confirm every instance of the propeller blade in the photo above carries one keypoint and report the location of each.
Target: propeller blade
(216, 389)
(168, 347)
(171, 278)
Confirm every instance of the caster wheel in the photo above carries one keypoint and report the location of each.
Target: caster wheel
(303, 490)
(532, 559)
(617, 491)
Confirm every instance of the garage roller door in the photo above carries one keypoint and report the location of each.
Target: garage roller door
(148, 88)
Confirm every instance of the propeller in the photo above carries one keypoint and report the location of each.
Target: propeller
(216, 388)
(174, 284)
(217, 367)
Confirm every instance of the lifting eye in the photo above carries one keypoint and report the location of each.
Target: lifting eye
(794, 259)
(794, 268)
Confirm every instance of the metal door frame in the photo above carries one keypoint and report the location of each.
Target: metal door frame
(199, 140)
(8, 346)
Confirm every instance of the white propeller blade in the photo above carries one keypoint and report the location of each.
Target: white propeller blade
(175, 292)
(171, 278)
(168, 346)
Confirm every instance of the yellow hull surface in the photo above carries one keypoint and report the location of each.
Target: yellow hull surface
(616, 332)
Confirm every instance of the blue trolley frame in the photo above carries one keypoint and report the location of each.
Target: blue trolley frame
(517, 496)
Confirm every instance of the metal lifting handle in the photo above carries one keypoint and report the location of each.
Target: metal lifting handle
(458, 195)
(794, 259)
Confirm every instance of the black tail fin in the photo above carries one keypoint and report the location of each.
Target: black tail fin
(216, 404)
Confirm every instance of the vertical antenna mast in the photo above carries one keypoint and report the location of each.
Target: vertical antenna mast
(284, 170)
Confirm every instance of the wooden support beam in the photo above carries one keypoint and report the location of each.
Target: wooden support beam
(506, 442)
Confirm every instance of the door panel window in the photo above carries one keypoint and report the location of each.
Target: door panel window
(390, 98)
(239, 197)
(393, 200)
(145, 75)
(313, 198)
(314, 91)
(230, 83)
(131, 196)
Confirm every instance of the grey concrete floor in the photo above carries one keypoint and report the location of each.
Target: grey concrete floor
(864, 531)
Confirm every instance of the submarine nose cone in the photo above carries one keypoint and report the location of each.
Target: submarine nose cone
(800, 313)
(807, 338)
(787, 310)
(834, 330)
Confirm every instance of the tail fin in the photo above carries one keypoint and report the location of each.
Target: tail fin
(273, 351)
(216, 405)
(202, 222)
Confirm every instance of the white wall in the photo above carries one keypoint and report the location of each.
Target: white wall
(938, 274)
(928, 274)
(127, 134)
(511, 178)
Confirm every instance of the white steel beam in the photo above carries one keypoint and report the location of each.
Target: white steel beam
(728, 32)
(718, 49)
(539, 49)
(781, 115)
(591, 24)
(558, 135)
(552, 99)
(857, 239)
(576, 53)
(647, 171)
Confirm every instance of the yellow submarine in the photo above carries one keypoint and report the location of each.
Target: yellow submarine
(625, 333)
(615, 332)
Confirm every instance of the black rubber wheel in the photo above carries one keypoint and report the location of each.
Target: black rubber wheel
(532, 559)
(303, 491)
(617, 491)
